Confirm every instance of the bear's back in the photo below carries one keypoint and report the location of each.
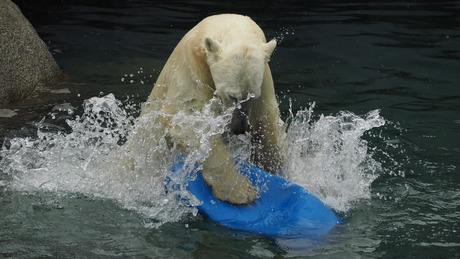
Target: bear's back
(227, 29)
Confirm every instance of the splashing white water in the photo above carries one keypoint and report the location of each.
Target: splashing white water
(327, 156)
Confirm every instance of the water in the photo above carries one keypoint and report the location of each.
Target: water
(369, 91)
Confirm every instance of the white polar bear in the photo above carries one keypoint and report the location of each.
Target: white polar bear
(225, 56)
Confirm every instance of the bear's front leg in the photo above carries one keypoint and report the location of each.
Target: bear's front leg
(220, 174)
(267, 127)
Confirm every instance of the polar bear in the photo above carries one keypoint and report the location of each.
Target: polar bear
(225, 56)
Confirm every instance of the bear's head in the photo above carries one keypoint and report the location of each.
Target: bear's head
(237, 69)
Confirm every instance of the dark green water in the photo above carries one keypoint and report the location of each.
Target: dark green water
(401, 200)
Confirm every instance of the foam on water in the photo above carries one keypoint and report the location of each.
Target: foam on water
(110, 154)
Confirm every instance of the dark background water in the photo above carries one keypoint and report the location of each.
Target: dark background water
(400, 57)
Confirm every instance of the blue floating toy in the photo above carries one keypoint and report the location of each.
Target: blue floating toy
(282, 208)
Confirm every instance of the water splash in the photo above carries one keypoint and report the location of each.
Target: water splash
(97, 158)
(330, 158)
(108, 153)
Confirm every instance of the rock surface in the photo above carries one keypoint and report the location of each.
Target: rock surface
(24, 58)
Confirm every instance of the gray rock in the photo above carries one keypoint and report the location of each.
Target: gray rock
(24, 58)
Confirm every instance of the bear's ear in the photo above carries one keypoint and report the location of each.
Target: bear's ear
(212, 46)
(269, 47)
